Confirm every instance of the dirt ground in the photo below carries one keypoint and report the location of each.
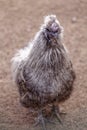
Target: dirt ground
(19, 21)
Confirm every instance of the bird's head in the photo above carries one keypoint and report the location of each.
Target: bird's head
(52, 28)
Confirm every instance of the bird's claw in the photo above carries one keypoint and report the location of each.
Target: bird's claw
(41, 120)
(57, 113)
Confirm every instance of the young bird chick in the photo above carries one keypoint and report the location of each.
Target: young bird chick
(43, 71)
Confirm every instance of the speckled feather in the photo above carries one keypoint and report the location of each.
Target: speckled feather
(43, 70)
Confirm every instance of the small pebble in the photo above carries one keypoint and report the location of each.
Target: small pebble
(74, 19)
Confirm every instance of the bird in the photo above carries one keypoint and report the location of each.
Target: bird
(43, 71)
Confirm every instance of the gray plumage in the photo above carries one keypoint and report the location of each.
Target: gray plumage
(43, 70)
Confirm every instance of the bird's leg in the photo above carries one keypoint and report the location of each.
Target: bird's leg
(42, 120)
(57, 108)
(56, 112)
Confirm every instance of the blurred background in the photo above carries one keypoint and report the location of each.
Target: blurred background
(19, 21)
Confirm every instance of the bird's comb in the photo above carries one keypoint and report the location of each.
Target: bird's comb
(50, 19)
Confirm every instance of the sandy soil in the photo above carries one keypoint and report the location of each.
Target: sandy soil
(19, 21)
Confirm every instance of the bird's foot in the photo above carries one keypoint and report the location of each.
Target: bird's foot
(56, 112)
(42, 120)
